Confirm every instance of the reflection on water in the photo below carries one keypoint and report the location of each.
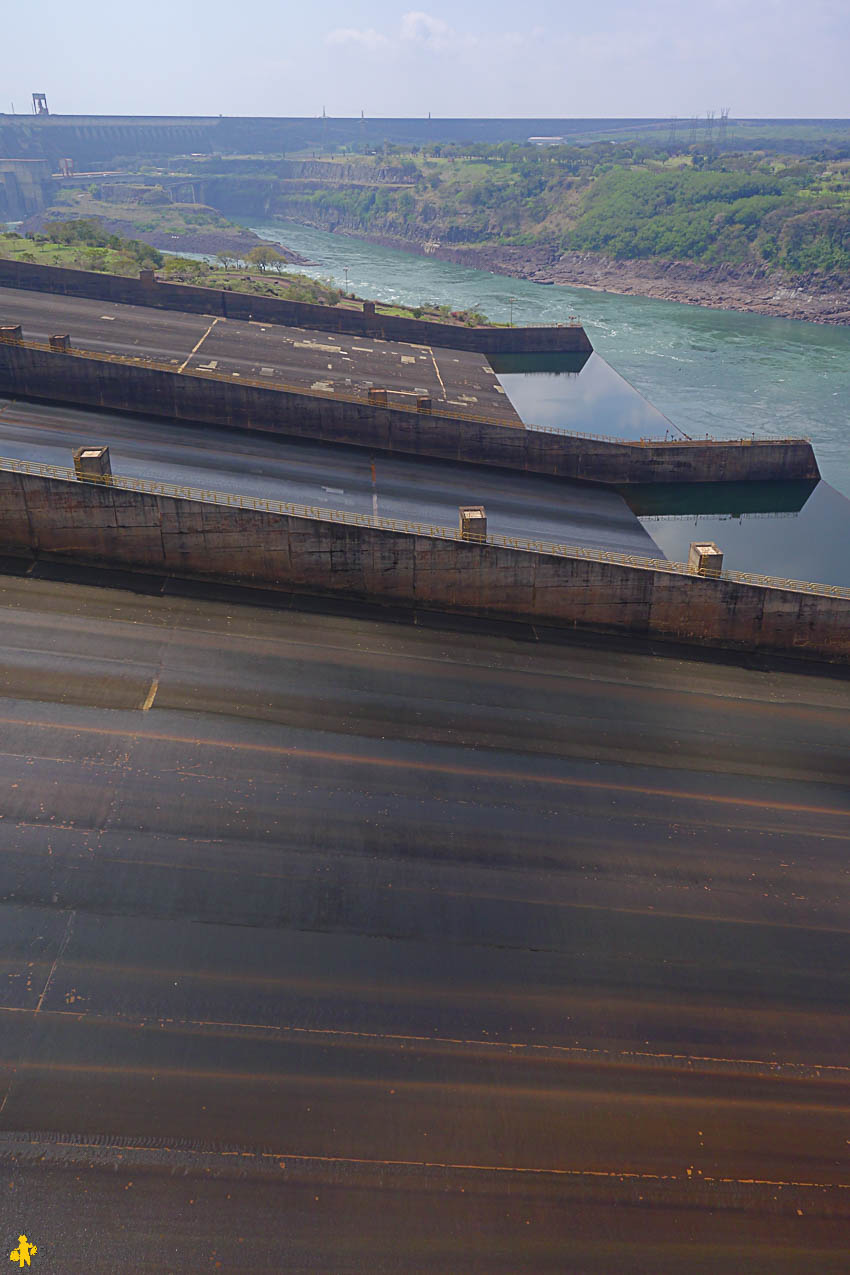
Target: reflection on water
(591, 398)
(730, 499)
(808, 545)
(795, 530)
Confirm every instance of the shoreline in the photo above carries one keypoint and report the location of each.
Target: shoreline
(687, 283)
(720, 288)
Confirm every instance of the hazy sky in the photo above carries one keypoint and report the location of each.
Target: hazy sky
(476, 57)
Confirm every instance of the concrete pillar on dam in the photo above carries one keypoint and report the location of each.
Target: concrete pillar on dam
(473, 523)
(705, 560)
(92, 464)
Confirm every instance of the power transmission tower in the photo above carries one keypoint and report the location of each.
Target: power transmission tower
(724, 124)
(674, 125)
(709, 124)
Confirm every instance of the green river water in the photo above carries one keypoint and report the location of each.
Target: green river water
(709, 372)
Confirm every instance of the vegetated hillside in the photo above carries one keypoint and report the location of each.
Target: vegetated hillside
(797, 218)
(751, 230)
(627, 203)
(86, 244)
(82, 244)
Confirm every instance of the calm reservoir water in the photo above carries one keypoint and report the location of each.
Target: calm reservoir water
(696, 371)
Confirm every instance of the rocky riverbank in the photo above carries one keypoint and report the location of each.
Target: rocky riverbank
(755, 291)
(719, 287)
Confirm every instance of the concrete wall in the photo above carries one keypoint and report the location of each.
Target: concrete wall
(241, 305)
(88, 523)
(23, 187)
(71, 378)
(90, 139)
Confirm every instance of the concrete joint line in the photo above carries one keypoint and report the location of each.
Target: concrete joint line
(147, 702)
(66, 938)
(198, 346)
(437, 370)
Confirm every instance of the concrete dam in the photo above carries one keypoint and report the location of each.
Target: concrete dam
(415, 401)
(386, 891)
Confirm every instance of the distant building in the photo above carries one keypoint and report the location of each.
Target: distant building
(547, 141)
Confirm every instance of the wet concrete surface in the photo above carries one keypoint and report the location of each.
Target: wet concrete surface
(461, 381)
(328, 476)
(335, 944)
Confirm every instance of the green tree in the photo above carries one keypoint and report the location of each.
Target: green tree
(264, 255)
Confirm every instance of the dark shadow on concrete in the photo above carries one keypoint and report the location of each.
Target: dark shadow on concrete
(54, 569)
(554, 363)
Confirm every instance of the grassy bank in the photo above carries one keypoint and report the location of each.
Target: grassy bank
(86, 245)
(81, 246)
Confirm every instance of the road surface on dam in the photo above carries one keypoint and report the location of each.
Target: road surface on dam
(341, 943)
(305, 359)
(330, 476)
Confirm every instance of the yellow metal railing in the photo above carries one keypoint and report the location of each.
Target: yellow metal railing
(234, 378)
(318, 513)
